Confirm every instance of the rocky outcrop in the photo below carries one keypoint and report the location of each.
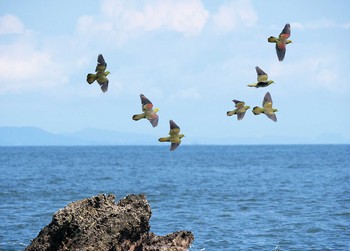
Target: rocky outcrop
(98, 223)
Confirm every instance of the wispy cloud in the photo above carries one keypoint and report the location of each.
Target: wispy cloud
(123, 19)
(120, 20)
(187, 93)
(234, 14)
(320, 24)
(10, 24)
(23, 66)
(319, 72)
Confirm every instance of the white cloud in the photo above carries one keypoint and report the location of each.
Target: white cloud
(234, 14)
(188, 93)
(297, 25)
(23, 68)
(10, 24)
(123, 19)
(320, 24)
(317, 72)
(89, 25)
(187, 17)
(346, 25)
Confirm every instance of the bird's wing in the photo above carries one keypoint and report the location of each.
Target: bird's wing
(272, 117)
(239, 104)
(146, 104)
(173, 146)
(259, 71)
(267, 99)
(174, 128)
(101, 60)
(154, 120)
(104, 86)
(281, 42)
(285, 32)
(240, 115)
(262, 76)
(280, 50)
(101, 64)
(173, 125)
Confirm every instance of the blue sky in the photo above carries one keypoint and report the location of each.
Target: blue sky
(189, 57)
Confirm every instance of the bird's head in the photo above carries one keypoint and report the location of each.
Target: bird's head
(271, 82)
(155, 110)
(289, 41)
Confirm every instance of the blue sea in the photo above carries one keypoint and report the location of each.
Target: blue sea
(253, 197)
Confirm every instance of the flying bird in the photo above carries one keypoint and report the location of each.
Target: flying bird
(281, 42)
(240, 110)
(267, 108)
(175, 136)
(147, 111)
(262, 79)
(101, 74)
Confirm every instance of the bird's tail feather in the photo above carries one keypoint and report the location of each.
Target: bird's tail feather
(230, 113)
(166, 139)
(138, 116)
(272, 39)
(257, 110)
(90, 78)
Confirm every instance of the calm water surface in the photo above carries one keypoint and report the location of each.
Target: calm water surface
(293, 197)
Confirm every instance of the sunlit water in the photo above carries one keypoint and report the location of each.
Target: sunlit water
(231, 197)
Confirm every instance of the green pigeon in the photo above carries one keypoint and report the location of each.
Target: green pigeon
(175, 136)
(240, 110)
(262, 79)
(147, 111)
(101, 74)
(281, 42)
(267, 109)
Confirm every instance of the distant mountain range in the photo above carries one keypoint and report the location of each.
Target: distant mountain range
(32, 136)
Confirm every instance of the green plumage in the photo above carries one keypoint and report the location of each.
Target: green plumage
(262, 78)
(101, 74)
(281, 41)
(147, 111)
(240, 110)
(267, 108)
(174, 136)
